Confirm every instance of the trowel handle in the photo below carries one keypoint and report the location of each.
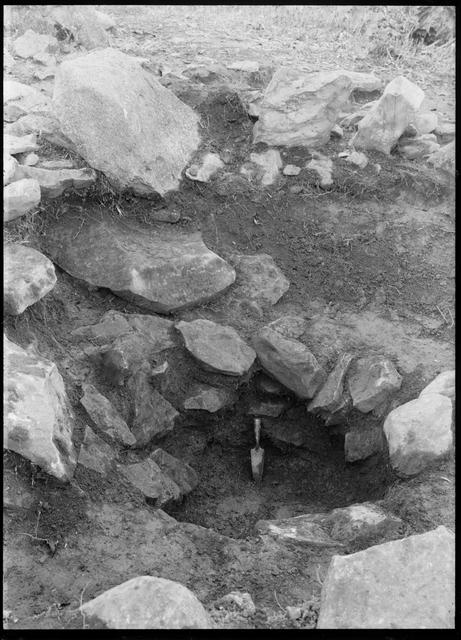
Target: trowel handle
(257, 431)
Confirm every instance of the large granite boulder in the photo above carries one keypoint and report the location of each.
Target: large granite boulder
(218, 348)
(147, 602)
(162, 271)
(123, 122)
(28, 276)
(403, 584)
(383, 125)
(419, 432)
(290, 362)
(38, 419)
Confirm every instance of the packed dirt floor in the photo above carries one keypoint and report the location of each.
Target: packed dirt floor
(371, 267)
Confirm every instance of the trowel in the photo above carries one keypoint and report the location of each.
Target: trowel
(257, 455)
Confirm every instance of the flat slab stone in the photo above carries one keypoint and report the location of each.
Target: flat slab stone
(205, 398)
(419, 432)
(95, 454)
(289, 326)
(403, 584)
(444, 383)
(20, 197)
(105, 415)
(53, 182)
(218, 348)
(124, 122)
(160, 270)
(19, 144)
(28, 277)
(290, 362)
(259, 278)
(38, 419)
(147, 602)
(373, 380)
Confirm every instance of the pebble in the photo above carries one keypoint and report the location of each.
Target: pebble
(296, 188)
(291, 170)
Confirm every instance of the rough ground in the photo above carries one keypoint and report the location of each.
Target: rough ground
(371, 266)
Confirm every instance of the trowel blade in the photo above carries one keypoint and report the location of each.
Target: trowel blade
(257, 463)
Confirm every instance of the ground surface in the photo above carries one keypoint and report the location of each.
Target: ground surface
(371, 267)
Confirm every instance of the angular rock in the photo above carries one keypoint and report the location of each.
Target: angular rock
(53, 183)
(358, 158)
(20, 99)
(372, 381)
(153, 415)
(444, 159)
(205, 398)
(360, 523)
(28, 276)
(330, 396)
(323, 166)
(20, 197)
(290, 362)
(269, 386)
(422, 596)
(419, 147)
(259, 278)
(362, 443)
(445, 131)
(105, 416)
(10, 167)
(147, 602)
(419, 432)
(270, 409)
(46, 126)
(202, 172)
(444, 384)
(291, 170)
(300, 108)
(218, 348)
(95, 454)
(157, 269)
(149, 479)
(289, 326)
(15, 144)
(263, 167)
(38, 419)
(383, 125)
(337, 132)
(30, 44)
(123, 122)
(181, 473)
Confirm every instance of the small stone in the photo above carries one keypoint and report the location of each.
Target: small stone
(337, 132)
(444, 384)
(249, 66)
(205, 398)
(358, 158)
(445, 131)
(296, 188)
(258, 278)
(419, 147)
(149, 479)
(20, 197)
(444, 159)
(10, 168)
(105, 416)
(240, 599)
(28, 277)
(62, 163)
(291, 170)
(294, 613)
(344, 154)
(289, 326)
(95, 454)
(418, 433)
(323, 166)
(263, 167)
(181, 473)
(53, 183)
(30, 44)
(31, 159)
(373, 380)
(210, 163)
(165, 215)
(19, 144)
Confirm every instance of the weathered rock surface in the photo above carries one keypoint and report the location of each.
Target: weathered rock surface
(419, 432)
(151, 481)
(364, 82)
(357, 523)
(53, 182)
(444, 384)
(62, 163)
(289, 326)
(46, 126)
(403, 584)
(123, 122)
(205, 398)
(259, 278)
(330, 397)
(147, 602)
(19, 144)
(444, 159)
(362, 443)
(374, 378)
(158, 270)
(419, 147)
(153, 414)
(105, 415)
(263, 167)
(10, 167)
(218, 348)
(20, 99)
(323, 166)
(31, 44)
(300, 108)
(249, 66)
(20, 197)
(383, 125)
(181, 473)
(290, 362)
(202, 172)
(95, 454)
(28, 276)
(38, 419)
